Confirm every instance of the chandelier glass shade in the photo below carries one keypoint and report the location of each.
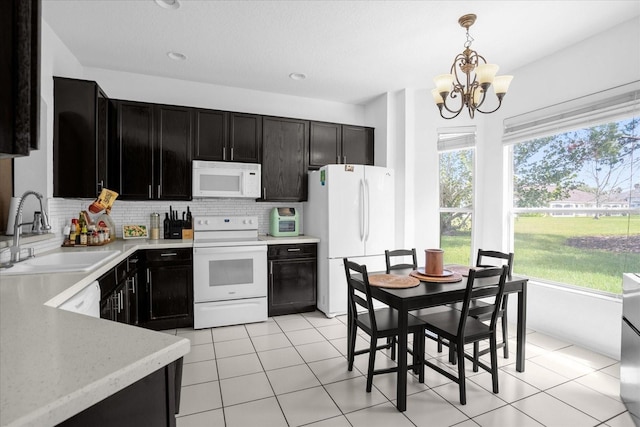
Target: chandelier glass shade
(469, 80)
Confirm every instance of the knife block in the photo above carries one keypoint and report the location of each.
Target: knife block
(173, 228)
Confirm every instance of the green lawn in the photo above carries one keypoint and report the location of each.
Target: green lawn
(541, 250)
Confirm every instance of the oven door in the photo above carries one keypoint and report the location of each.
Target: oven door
(227, 273)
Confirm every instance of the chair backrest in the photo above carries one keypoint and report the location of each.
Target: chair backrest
(494, 280)
(400, 253)
(499, 259)
(359, 282)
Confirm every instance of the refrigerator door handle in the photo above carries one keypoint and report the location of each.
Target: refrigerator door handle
(367, 210)
(362, 208)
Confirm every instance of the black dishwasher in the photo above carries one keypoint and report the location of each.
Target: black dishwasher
(292, 278)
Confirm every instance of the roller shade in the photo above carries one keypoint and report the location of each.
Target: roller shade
(602, 107)
(458, 138)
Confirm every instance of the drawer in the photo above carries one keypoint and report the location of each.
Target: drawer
(107, 283)
(169, 255)
(121, 271)
(304, 250)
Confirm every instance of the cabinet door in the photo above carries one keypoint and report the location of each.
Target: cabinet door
(133, 154)
(324, 144)
(357, 145)
(245, 132)
(292, 286)
(102, 140)
(170, 296)
(79, 138)
(284, 159)
(173, 150)
(211, 135)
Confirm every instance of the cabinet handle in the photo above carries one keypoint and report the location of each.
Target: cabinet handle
(148, 279)
(293, 250)
(100, 185)
(132, 282)
(265, 193)
(133, 260)
(159, 192)
(149, 190)
(271, 268)
(344, 159)
(169, 254)
(338, 160)
(231, 153)
(224, 153)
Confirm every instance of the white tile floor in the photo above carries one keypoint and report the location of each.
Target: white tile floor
(292, 371)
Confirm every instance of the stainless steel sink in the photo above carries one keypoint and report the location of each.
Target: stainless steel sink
(61, 262)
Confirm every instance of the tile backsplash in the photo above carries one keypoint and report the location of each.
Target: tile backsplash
(124, 212)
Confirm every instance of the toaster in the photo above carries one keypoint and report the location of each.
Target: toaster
(284, 222)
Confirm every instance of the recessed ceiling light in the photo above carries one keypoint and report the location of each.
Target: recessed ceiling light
(176, 56)
(168, 4)
(297, 76)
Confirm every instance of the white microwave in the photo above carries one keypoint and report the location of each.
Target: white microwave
(226, 179)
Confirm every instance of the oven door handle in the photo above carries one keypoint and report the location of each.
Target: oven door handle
(229, 249)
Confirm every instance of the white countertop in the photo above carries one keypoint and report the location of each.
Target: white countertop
(54, 363)
(271, 240)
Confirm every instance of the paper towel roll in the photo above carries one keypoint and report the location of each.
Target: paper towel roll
(13, 208)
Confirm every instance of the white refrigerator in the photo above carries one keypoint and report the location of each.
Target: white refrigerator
(350, 208)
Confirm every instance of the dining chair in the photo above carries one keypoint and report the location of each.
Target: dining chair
(377, 323)
(480, 310)
(389, 256)
(460, 329)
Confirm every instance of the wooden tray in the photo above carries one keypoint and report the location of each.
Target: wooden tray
(393, 281)
(455, 277)
(65, 245)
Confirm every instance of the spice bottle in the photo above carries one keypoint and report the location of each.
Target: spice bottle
(83, 236)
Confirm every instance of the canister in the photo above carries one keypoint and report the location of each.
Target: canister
(155, 226)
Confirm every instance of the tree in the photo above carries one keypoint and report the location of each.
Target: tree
(599, 159)
(456, 189)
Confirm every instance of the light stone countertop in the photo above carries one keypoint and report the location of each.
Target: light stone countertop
(54, 363)
(272, 240)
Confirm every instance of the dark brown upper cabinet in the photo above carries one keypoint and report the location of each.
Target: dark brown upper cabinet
(19, 77)
(333, 143)
(227, 136)
(79, 138)
(151, 151)
(284, 159)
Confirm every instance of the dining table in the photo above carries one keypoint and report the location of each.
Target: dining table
(435, 293)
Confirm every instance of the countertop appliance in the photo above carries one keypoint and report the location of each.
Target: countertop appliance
(229, 271)
(351, 209)
(630, 354)
(284, 222)
(86, 302)
(226, 179)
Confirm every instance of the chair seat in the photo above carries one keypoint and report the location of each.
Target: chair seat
(387, 322)
(445, 324)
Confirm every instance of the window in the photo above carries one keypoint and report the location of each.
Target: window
(576, 196)
(456, 174)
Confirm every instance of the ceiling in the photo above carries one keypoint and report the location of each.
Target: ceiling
(351, 51)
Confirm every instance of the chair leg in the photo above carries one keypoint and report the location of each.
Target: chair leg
(494, 362)
(476, 350)
(420, 361)
(452, 353)
(505, 334)
(372, 362)
(439, 344)
(351, 355)
(462, 383)
(393, 347)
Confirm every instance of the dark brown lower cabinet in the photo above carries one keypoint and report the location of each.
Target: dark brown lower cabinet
(167, 300)
(292, 278)
(151, 401)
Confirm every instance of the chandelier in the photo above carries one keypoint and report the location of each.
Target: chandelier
(476, 73)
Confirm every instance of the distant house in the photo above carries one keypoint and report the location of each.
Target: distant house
(582, 199)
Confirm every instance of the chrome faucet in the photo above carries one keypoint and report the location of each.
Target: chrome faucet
(15, 249)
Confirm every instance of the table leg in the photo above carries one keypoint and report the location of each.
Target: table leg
(401, 393)
(521, 329)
